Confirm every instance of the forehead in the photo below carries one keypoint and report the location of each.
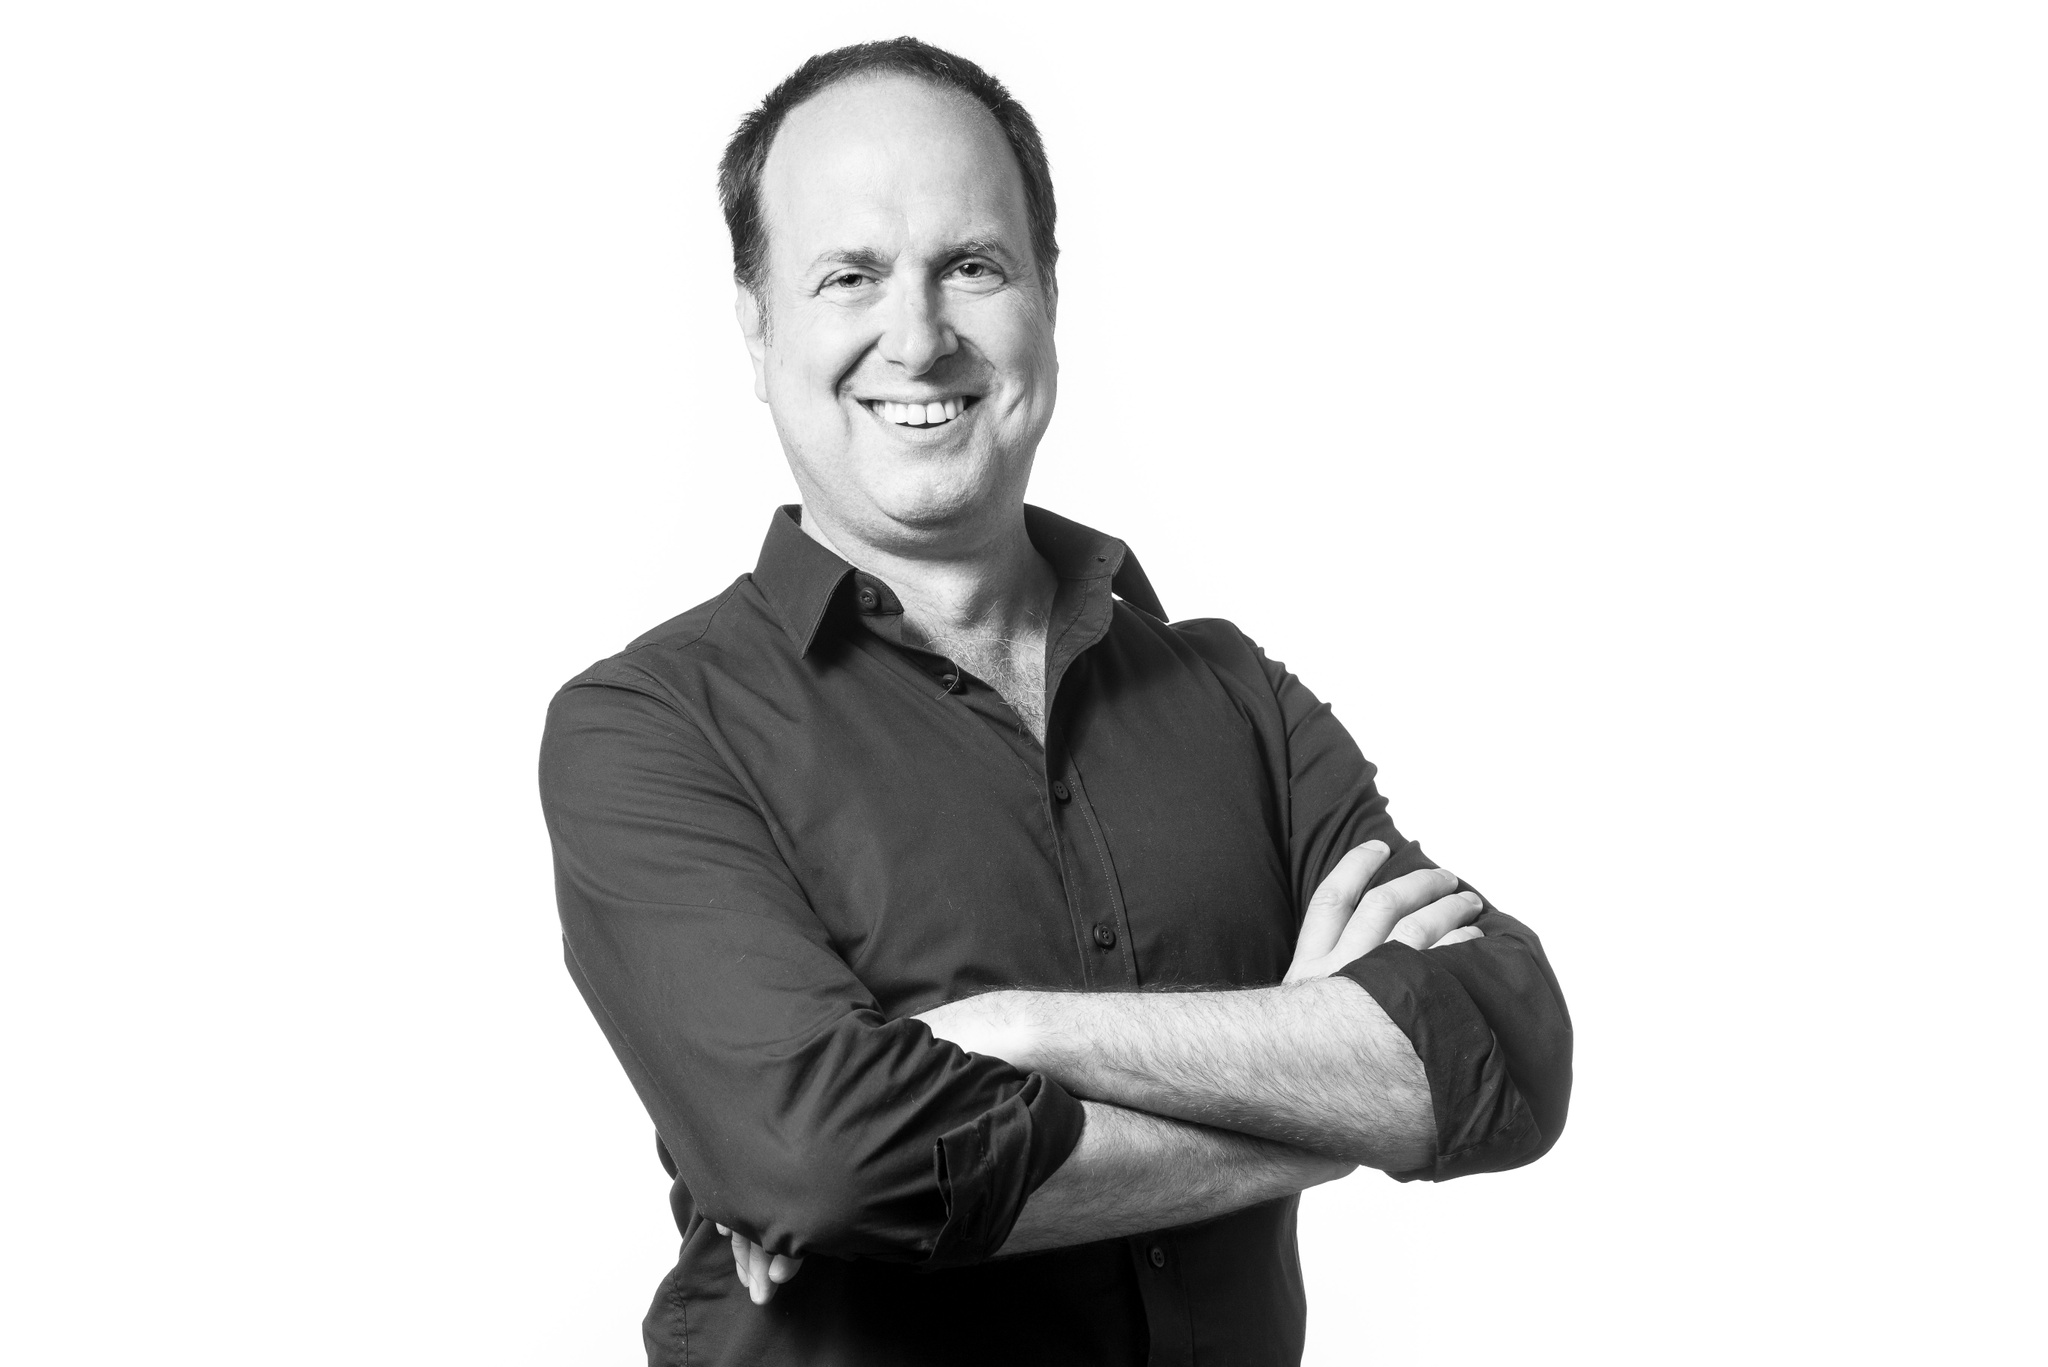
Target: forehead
(890, 164)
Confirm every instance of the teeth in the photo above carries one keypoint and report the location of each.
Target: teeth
(920, 414)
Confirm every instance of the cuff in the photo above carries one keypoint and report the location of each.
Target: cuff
(1508, 978)
(1482, 1122)
(988, 1167)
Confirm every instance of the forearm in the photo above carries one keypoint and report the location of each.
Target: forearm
(1316, 1065)
(1134, 1172)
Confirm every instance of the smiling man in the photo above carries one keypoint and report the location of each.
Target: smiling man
(873, 868)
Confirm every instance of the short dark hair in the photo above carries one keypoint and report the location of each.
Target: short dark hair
(739, 170)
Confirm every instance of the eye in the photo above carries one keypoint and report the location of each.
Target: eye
(977, 273)
(846, 280)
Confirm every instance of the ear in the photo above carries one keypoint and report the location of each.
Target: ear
(754, 332)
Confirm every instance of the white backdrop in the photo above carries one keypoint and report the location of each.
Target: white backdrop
(1630, 416)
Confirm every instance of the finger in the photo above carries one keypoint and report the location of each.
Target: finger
(721, 1229)
(1334, 899)
(757, 1268)
(1386, 904)
(739, 1258)
(783, 1268)
(1421, 929)
(1459, 936)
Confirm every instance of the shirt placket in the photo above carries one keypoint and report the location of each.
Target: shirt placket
(1094, 898)
(1094, 895)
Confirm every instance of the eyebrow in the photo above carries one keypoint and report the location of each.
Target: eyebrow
(867, 258)
(978, 246)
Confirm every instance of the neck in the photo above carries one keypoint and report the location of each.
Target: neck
(983, 602)
(993, 585)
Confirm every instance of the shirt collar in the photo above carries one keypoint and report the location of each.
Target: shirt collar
(801, 578)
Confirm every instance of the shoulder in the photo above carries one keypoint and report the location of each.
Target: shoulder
(1219, 644)
(1210, 646)
(670, 662)
(654, 703)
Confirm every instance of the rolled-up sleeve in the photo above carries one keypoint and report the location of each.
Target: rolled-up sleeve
(1487, 1021)
(1485, 1016)
(792, 1109)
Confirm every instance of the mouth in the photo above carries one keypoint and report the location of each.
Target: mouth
(936, 413)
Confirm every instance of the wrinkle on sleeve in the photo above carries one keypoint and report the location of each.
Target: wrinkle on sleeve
(988, 1166)
(790, 1107)
(1485, 1016)
(1483, 1121)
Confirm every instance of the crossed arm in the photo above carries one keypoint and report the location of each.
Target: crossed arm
(1164, 1108)
(1201, 1103)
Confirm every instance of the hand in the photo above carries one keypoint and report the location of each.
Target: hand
(759, 1272)
(1344, 920)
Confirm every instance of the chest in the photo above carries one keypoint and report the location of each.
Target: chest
(1015, 669)
(1141, 846)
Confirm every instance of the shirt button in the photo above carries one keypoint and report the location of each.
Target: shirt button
(1157, 1255)
(951, 681)
(867, 599)
(1104, 936)
(1060, 789)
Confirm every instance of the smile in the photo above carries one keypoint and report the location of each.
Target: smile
(932, 414)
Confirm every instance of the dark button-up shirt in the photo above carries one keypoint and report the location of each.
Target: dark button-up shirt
(780, 830)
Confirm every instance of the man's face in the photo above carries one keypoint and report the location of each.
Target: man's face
(907, 352)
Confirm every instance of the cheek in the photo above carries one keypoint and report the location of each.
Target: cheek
(1028, 353)
(1048, 372)
(810, 352)
(1036, 366)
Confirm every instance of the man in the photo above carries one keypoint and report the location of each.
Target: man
(814, 836)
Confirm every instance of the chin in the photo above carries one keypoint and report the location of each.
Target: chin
(935, 494)
(934, 508)
(941, 501)
(920, 494)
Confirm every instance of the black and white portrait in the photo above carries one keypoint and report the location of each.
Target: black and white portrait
(1088, 685)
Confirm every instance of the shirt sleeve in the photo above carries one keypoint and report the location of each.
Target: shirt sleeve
(792, 1109)
(1485, 1016)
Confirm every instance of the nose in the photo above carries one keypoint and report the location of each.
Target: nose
(915, 333)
